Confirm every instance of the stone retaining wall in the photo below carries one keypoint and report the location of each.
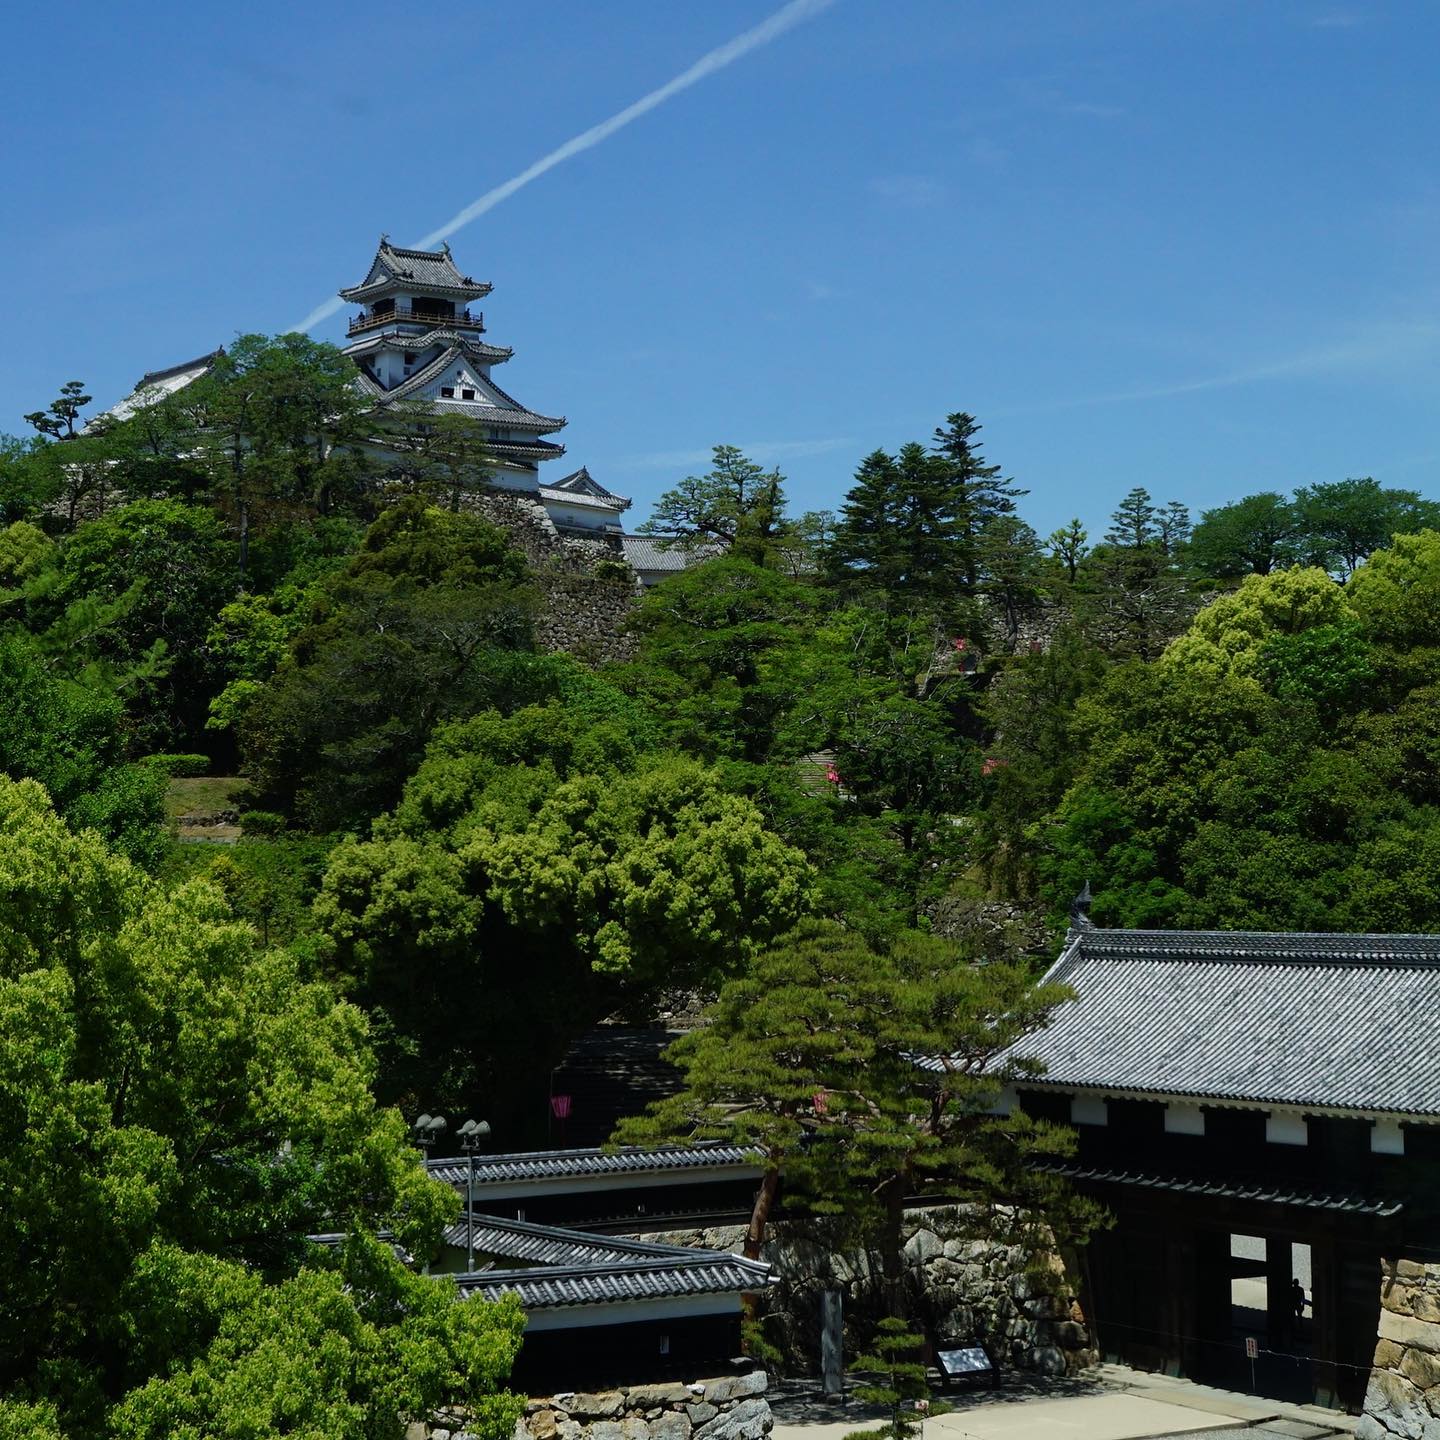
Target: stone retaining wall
(1016, 1302)
(1403, 1398)
(587, 590)
(732, 1407)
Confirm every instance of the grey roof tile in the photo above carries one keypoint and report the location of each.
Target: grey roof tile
(428, 269)
(1348, 1022)
(646, 552)
(546, 1288)
(568, 1164)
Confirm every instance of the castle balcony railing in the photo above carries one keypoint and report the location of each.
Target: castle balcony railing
(408, 315)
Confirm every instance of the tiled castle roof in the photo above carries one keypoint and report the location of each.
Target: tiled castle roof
(397, 268)
(1336, 1022)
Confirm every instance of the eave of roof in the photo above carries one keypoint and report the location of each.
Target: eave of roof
(565, 1164)
(552, 1287)
(455, 339)
(1271, 1192)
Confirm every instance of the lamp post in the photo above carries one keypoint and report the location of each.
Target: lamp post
(472, 1132)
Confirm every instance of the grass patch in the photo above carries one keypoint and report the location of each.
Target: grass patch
(203, 795)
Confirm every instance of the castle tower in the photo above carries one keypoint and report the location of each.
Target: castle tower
(417, 339)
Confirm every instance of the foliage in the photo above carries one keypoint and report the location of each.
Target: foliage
(1251, 536)
(541, 868)
(128, 604)
(72, 740)
(180, 1107)
(422, 624)
(58, 419)
(736, 508)
(812, 1058)
(897, 1360)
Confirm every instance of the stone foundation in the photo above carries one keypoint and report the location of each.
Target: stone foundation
(1403, 1398)
(732, 1407)
(1016, 1302)
(587, 590)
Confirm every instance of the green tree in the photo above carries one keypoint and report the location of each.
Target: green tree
(1133, 524)
(988, 497)
(906, 530)
(897, 1357)
(755, 1074)
(274, 424)
(436, 456)
(58, 420)
(132, 596)
(1010, 567)
(1067, 545)
(1172, 527)
(429, 620)
(1254, 535)
(722, 656)
(824, 1040)
(1345, 520)
(72, 739)
(737, 507)
(180, 1108)
(543, 869)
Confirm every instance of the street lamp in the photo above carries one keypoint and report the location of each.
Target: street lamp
(472, 1132)
(426, 1131)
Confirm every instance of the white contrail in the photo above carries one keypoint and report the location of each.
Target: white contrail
(785, 18)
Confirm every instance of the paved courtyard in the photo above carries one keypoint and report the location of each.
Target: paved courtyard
(1112, 1403)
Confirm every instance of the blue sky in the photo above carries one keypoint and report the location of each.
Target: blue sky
(1187, 244)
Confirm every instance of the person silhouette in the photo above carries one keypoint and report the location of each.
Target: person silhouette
(1297, 1299)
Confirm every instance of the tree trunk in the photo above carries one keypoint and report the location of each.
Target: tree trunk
(891, 1257)
(760, 1214)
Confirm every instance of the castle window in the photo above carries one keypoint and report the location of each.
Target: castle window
(467, 394)
(447, 392)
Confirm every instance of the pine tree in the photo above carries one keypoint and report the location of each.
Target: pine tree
(904, 530)
(986, 495)
(1067, 545)
(897, 1356)
(1132, 525)
(1172, 525)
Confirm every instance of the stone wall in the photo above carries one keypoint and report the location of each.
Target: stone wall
(732, 1407)
(1403, 1398)
(1016, 1302)
(587, 591)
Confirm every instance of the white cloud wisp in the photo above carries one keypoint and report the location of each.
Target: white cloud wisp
(785, 18)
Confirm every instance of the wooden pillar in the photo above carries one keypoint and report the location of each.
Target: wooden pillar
(1279, 1307)
(1325, 1318)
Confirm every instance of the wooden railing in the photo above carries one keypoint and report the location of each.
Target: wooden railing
(408, 315)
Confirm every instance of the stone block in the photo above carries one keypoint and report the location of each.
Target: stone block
(570, 1429)
(1405, 1330)
(1415, 1270)
(702, 1412)
(672, 1426)
(599, 1405)
(417, 1430)
(542, 1425)
(605, 1430)
(923, 1245)
(733, 1387)
(749, 1420)
(635, 1428)
(1420, 1369)
(1388, 1355)
(1396, 1404)
(642, 1397)
(1045, 1360)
